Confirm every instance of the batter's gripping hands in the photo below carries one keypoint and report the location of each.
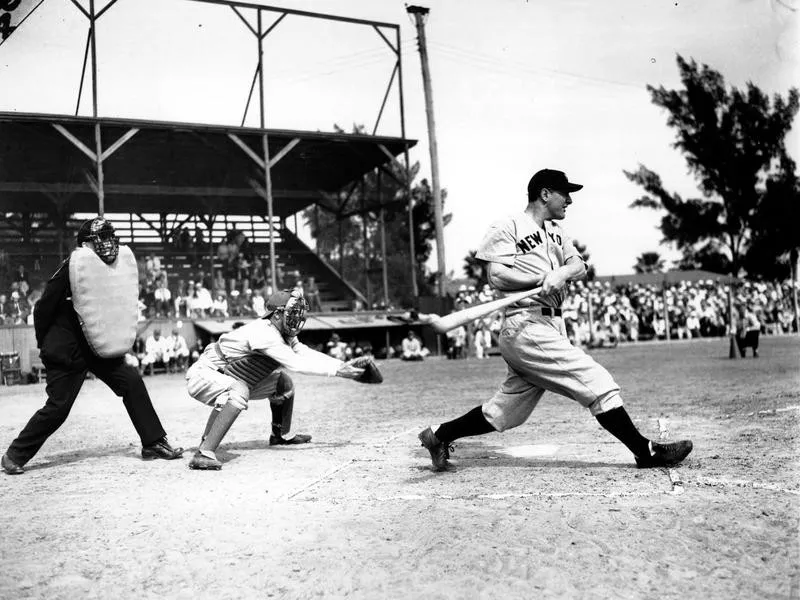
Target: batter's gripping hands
(371, 372)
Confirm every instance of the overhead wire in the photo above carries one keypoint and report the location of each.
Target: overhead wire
(510, 66)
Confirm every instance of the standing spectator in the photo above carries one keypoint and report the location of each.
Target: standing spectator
(22, 281)
(3, 308)
(456, 339)
(152, 267)
(482, 341)
(199, 238)
(748, 328)
(258, 276)
(312, 295)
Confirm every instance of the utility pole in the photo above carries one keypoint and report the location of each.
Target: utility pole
(420, 13)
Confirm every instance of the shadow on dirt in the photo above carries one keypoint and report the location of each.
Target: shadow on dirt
(58, 460)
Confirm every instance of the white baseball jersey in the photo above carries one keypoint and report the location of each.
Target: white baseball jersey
(535, 347)
(518, 242)
(261, 336)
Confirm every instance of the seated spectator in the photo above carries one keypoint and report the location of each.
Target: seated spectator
(16, 310)
(200, 302)
(157, 350)
(336, 347)
(412, 348)
(246, 303)
(162, 298)
(138, 351)
(36, 295)
(196, 351)
(179, 352)
(181, 300)
(218, 283)
(219, 308)
(259, 304)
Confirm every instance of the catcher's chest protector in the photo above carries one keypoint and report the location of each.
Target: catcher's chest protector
(252, 369)
(106, 300)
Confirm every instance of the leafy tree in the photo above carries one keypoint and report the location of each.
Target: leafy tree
(584, 252)
(354, 211)
(649, 262)
(734, 144)
(475, 269)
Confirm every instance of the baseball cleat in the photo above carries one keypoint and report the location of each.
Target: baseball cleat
(161, 449)
(299, 438)
(440, 452)
(666, 454)
(10, 467)
(201, 462)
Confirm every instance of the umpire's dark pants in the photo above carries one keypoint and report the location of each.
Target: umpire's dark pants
(63, 386)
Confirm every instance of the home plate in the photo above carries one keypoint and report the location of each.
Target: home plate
(531, 450)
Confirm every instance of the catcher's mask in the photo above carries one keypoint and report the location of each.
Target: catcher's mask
(104, 239)
(291, 306)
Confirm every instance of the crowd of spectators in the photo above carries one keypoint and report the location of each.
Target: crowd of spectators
(635, 312)
(237, 287)
(16, 305)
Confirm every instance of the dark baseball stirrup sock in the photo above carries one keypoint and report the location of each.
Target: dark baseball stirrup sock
(617, 422)
(469, 424)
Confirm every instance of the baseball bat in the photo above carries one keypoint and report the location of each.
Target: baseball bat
(467, 315)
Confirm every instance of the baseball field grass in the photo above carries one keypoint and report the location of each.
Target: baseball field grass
(552, 509)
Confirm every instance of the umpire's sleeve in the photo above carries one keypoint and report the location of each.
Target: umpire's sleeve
(44, 311)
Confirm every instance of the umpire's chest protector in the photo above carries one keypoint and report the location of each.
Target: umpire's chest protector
(105, 298)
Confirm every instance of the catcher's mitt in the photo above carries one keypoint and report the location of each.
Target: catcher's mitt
(371, 372)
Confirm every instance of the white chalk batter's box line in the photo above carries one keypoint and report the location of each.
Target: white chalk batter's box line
(769, 411)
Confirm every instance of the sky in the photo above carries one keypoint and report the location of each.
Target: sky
(517, 86)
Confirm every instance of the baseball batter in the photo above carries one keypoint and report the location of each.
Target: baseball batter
(522, 252)
(252, 363)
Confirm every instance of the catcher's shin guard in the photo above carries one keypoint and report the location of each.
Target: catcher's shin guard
(205, 457)
(281, 405)
(211, 418)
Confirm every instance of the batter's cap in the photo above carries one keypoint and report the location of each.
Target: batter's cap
(550, 179)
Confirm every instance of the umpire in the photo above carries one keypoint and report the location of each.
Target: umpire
(68, 357)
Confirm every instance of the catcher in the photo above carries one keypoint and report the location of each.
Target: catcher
(251, 363)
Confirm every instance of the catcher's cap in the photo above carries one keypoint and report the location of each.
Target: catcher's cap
(551, 179)
(278, 300)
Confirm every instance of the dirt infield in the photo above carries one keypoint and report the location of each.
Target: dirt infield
(552, 509)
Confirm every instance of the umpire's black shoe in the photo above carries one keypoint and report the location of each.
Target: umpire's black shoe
(298, 438)
(10, 467)
(666, 454)
(161, 449)
(440, 452)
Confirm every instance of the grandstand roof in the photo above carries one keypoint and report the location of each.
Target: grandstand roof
(174, 167)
